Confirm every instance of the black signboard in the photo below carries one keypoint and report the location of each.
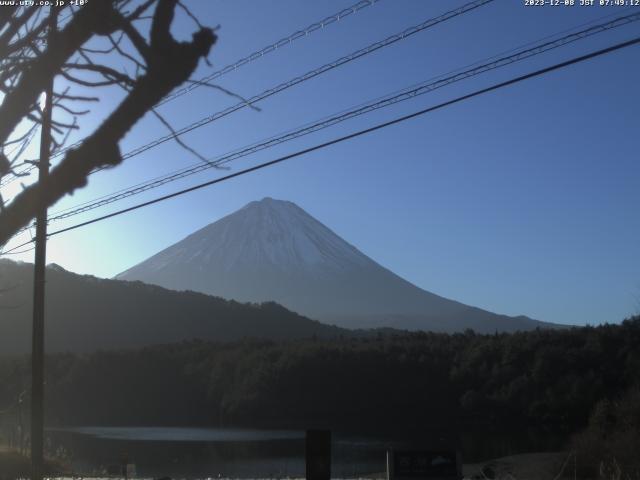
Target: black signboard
(318, 454)
(414, 464)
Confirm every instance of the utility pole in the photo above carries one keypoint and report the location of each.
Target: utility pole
(37, 346)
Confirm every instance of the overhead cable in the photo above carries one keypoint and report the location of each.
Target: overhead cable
(407, 94)
(521, 78)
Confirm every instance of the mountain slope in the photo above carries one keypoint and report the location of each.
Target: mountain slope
(274, 250)
(85, 313)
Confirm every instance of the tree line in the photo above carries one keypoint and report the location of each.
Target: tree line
(385, 382)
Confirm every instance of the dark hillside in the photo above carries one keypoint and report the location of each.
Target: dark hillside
(85, 313)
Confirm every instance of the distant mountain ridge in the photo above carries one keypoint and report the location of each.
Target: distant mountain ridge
(272, 250)
(85, 313)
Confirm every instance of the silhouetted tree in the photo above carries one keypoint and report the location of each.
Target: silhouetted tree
(95, 46)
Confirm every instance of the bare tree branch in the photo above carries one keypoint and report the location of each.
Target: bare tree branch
(226, 91)
(168, 64)
(176, 136)
(83, 26)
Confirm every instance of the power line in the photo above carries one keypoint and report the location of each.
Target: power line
(199, 166)
(311, 74)
(259, 54)
(298, 34)
(270, 48)
(20, 252)
(303, 78)
(308, 76)
(407, 94)
(359, 133)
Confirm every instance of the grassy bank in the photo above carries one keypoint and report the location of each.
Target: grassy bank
(15, 465)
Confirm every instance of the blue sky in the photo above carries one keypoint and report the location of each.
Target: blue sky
(522, 201)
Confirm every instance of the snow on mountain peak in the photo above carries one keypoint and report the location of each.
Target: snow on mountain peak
(269, 232)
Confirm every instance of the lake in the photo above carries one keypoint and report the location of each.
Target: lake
(210, 452)
(250, 453)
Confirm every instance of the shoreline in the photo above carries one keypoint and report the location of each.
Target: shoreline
(533, 465)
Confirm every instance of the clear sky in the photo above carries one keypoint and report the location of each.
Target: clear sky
(522, 201)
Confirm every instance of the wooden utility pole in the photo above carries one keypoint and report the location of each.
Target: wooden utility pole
(37, 345)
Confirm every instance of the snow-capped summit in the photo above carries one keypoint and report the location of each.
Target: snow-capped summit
(263, 234)
(273, 250)
(279, 233)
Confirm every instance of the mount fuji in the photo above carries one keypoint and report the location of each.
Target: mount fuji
(272, 250)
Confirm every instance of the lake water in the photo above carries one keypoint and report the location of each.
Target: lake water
(210, 452)
(252, 453)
